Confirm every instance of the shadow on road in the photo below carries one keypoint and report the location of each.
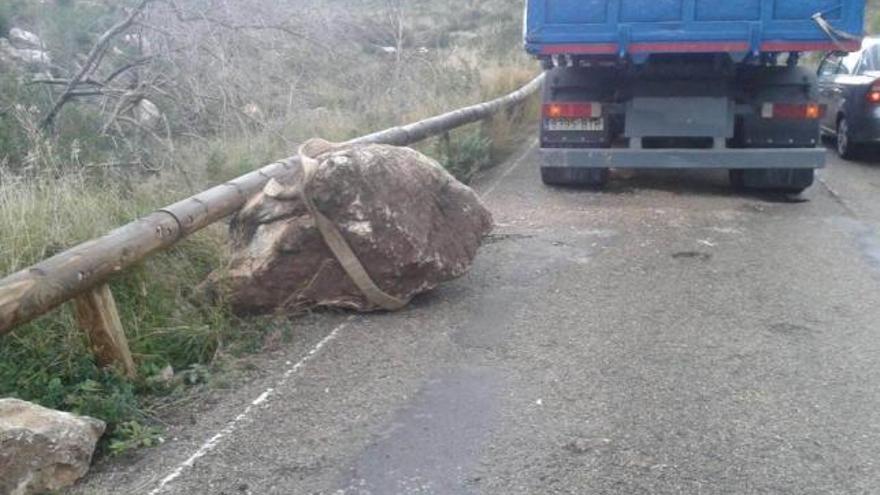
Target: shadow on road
(710, 183)
(866, 156)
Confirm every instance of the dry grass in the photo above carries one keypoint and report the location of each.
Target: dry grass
(66, 196)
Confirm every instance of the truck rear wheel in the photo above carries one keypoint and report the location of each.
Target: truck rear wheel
(574, 176)
(790, 181)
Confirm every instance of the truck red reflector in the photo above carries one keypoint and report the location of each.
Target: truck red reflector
(793, 111)
(572, 110)
(874, 93)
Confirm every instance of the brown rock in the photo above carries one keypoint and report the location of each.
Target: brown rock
(410, 223)
(43, 450)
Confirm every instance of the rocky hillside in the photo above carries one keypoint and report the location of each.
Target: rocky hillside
(283, 70)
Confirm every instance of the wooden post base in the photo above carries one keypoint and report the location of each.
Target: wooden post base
(98, 317)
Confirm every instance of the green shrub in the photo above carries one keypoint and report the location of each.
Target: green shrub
(466, 152)
(131, 435)
(12, 142)
(47, 361)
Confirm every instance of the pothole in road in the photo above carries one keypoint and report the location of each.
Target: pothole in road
(580, 446)
(791, 329)
(692, 255)
(496, 238)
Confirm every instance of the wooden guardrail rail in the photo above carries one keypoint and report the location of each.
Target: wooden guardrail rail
(81, 273)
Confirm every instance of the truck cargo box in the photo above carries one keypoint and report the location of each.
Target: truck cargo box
(621, 27)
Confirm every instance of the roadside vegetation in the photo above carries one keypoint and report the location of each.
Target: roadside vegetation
(188, 96)
(873, 17)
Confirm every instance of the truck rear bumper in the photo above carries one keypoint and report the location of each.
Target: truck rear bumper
(756, 158)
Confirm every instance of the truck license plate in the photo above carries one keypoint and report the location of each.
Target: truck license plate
(586, 124)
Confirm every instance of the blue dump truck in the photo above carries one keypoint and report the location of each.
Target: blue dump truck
(685, 84)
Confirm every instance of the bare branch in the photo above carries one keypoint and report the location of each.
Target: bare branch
(63, 82)
(93, 60)
(125, 68)
(203, 17)
(81, 94)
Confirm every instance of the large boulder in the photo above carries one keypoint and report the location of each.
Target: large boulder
(43, 450)
(410, 224)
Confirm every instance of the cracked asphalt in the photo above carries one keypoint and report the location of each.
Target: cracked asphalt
(665, 336)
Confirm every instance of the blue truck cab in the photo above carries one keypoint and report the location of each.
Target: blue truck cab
(685, 84)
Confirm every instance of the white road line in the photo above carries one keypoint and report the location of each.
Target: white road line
(260, 400)
(516, 164)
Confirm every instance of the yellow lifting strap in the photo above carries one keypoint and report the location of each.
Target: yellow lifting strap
(309, 152)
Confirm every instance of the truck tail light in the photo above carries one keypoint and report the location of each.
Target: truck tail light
(874, 93)
(793, 111)
(572, 110)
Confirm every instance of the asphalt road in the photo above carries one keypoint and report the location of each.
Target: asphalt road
(666, 336)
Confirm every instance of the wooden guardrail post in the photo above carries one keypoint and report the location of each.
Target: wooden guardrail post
(97, 316)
